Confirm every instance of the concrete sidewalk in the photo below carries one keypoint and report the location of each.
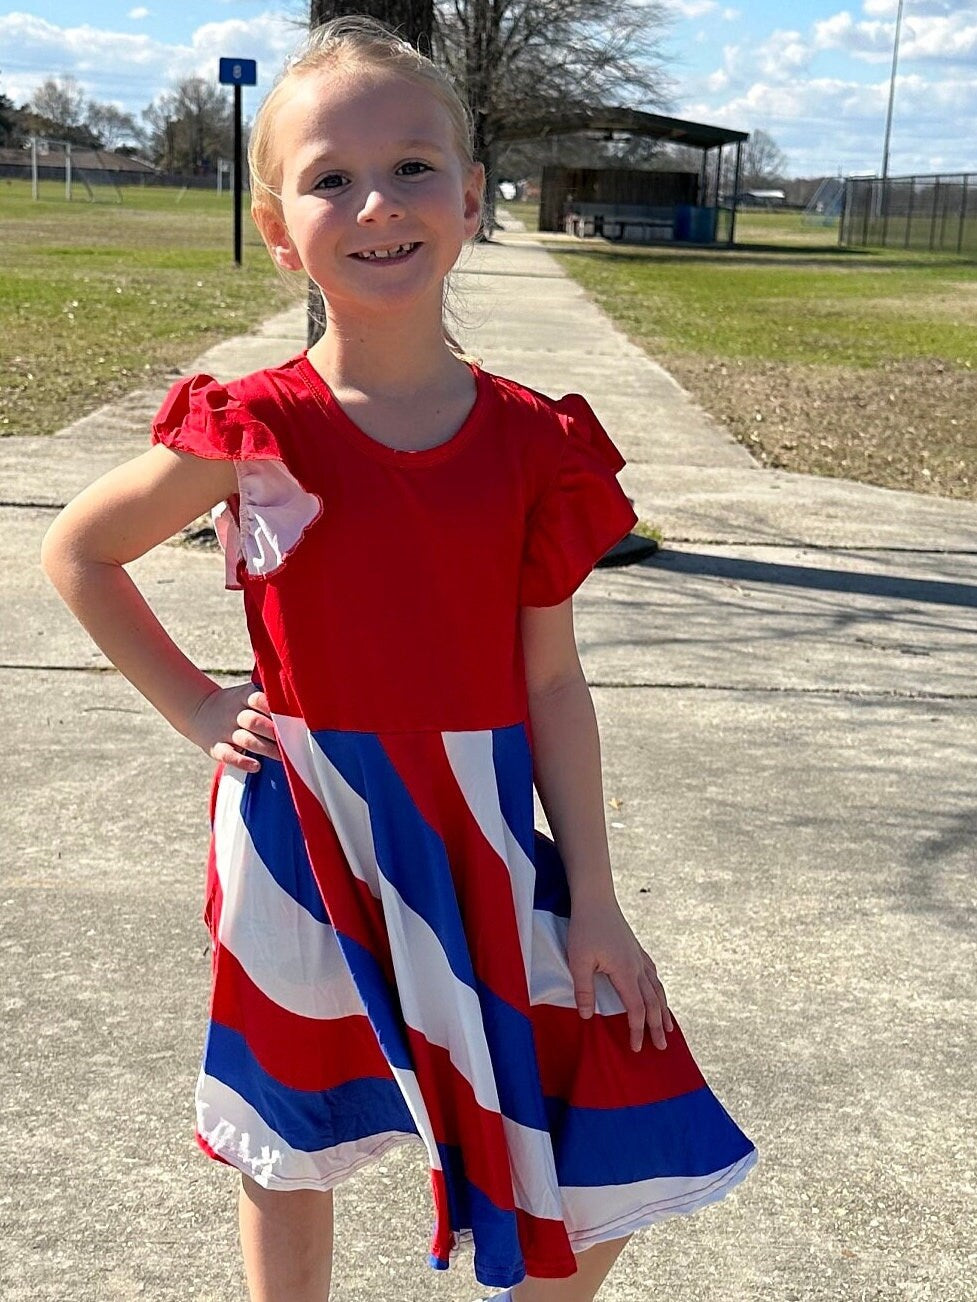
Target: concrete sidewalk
(787, 704)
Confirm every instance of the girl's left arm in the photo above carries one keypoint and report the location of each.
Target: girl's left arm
(567, 774)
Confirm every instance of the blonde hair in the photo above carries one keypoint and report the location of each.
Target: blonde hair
(356, 42)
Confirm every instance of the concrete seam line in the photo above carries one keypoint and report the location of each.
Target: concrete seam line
(855, 693)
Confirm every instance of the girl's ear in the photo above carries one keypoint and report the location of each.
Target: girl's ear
(277, 240)
(474, 199)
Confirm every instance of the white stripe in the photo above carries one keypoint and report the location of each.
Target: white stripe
(470, 757)
(350, 817)
(443, 1009)
(434, 1002)
(292, 957)
(328, 785)
(232, 1128)
(596, 1213)
(534, 1180)
(418, 1110)
(551, 979)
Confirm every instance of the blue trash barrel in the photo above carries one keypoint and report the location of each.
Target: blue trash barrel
(682, 229)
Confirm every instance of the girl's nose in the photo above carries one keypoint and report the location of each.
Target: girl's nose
(379, 205)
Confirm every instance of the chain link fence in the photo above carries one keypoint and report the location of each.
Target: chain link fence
(938, 213)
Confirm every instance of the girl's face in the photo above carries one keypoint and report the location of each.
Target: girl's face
(376, 202)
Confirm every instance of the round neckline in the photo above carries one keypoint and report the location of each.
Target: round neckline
(403, 457)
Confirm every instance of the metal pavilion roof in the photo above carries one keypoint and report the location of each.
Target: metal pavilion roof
(633, 121)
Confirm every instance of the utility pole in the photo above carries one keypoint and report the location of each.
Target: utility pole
(892, 95)
(411, 19)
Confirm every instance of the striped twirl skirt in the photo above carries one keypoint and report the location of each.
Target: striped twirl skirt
(390, 964)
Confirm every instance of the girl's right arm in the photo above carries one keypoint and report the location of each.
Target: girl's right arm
(117, 519)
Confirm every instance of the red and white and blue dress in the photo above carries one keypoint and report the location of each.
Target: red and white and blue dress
(389, 929)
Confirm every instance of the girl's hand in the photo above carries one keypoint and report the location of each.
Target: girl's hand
(600, 940)
(230, 722)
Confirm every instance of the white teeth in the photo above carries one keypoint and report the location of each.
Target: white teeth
(387, 253)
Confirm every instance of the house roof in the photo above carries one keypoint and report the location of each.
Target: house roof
(92, 160)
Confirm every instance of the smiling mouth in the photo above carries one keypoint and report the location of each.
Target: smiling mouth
(395, 254)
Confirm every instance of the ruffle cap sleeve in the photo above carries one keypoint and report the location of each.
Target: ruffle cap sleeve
(265, 521)
(581, 513)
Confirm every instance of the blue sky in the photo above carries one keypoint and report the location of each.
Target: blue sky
(812, 73)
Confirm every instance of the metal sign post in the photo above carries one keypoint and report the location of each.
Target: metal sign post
(238, 73)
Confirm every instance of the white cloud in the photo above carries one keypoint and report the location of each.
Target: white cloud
(824, 124)
(140, 11)
(821, 91)
(130, 68)
(933, 33)
(693, 8)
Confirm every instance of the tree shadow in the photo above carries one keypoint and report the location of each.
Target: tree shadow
(856, 583)
(761, 254)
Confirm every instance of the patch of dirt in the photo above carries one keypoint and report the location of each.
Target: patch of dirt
(907, 425)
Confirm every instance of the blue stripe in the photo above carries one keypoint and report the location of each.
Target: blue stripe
(410, 854)
(498, 1260)
(552, 892)
(691, 1135)
(270, 816)
(509, 1036)
(307, 1120)
(514, 781)
(380, 1001)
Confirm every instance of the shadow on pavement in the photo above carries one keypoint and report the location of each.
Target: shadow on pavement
(931, 591)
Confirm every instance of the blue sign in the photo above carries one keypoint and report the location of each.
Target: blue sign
(238, 72)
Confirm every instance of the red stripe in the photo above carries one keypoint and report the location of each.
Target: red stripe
(590, 1064)
(304, 1053)
(482, 883)
(459, 1120)
(442, 1236)
(545, 1247)
(211, 1152)
(353, 909)
(213, 894)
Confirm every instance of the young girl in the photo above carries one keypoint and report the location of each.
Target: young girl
(397, 955)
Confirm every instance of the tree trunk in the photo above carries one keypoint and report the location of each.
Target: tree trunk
(411, 19)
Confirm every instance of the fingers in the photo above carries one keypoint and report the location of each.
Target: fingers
(254, 734)
(583, 992)
(644, 1002)
(256, 730)
(258, 701)
(247, 740)
(643, 997)
(651, 974)
(654, 1011)
(227, 754)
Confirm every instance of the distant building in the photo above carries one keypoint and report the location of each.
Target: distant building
(96, 166)
(762, 198)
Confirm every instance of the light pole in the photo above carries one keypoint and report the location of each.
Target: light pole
(892, 94)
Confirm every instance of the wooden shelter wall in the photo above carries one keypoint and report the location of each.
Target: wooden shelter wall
(617, 185)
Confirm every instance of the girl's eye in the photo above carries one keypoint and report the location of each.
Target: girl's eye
(414, 168)
(332, 181)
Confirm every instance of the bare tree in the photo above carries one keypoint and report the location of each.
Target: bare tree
(764, 161)
(190, 127)
(60, 101)
(110, 124)
(523, 61)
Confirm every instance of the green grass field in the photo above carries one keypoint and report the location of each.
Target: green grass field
(860, 363)
(99, 298)
(800, 301)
